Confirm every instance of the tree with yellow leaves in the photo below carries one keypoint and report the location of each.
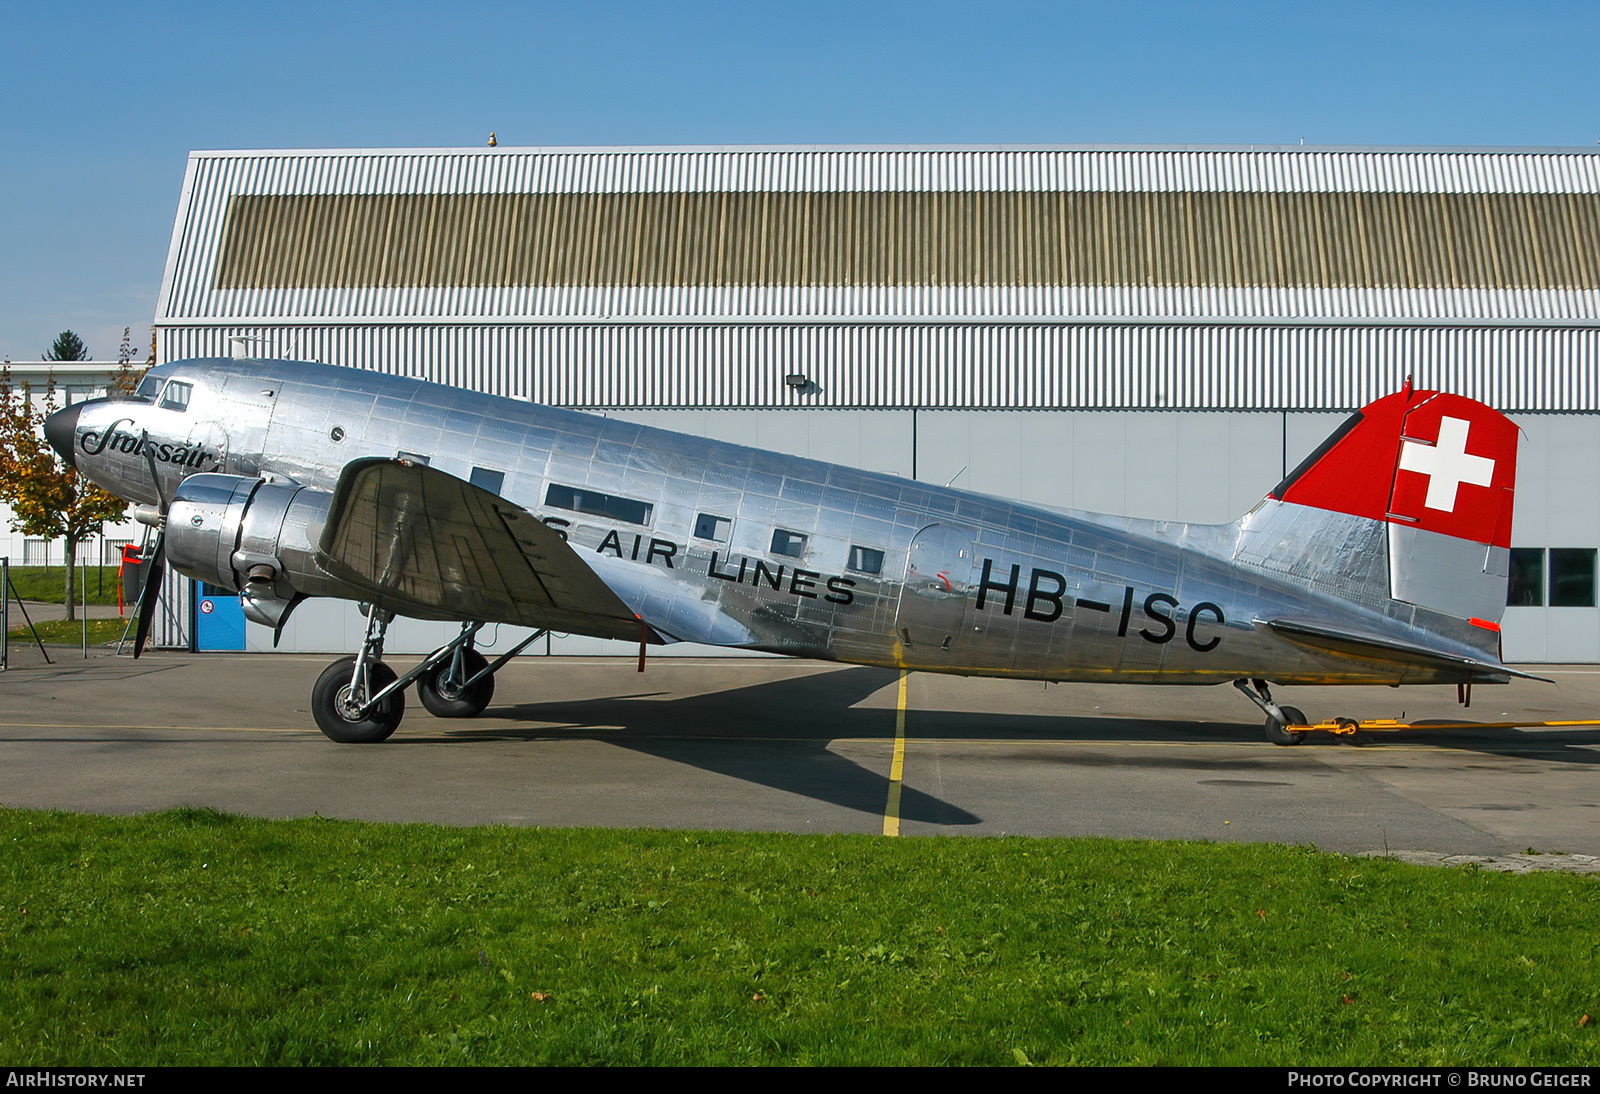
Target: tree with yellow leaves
(48, 499)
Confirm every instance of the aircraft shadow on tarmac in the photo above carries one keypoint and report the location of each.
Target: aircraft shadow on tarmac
(773, 734)
(794, 721)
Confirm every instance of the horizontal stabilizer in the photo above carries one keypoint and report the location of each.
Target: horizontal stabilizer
(1369, 647)
(424, 543)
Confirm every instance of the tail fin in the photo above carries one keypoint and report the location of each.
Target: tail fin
(1440, 471)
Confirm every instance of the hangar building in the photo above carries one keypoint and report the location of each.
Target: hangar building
(1160, 332)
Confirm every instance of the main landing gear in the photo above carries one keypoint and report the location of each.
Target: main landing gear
(360, 700)
(1279, 719)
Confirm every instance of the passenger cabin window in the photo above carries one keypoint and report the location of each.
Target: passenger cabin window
(485, 479)
(596, 504)
(866, 560)
(176, 396)
(785, 542)
(714, 528)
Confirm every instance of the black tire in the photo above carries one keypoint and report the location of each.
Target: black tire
(444, 701)
(1280, 736)
(327, 709)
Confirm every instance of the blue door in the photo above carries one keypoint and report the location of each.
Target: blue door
(218, 618)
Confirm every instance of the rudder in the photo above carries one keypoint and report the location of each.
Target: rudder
(1439, 470)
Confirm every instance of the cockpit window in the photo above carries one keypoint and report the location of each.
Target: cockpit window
(148, 388)
(176, 397)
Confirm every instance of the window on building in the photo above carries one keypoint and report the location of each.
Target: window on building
(111, 551)
(35, 552)
(597, 504)
(1526, 588)
(785, 542)
(1572, 577)
(714, 528)
(866, 560)
(1561, 577)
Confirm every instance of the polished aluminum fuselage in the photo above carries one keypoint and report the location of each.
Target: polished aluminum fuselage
(967, 583)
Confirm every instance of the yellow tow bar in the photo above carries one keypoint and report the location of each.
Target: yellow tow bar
(1349, 727)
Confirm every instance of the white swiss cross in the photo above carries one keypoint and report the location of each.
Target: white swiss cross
(1446, 464)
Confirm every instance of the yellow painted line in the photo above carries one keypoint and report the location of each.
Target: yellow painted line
(891, 808)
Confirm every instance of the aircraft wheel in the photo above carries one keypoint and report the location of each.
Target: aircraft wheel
(445, 700)
(330, 699)
(1280, 736)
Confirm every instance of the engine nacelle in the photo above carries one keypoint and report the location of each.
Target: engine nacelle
(251, 535)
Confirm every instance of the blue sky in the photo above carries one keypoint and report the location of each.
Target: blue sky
(104, 101)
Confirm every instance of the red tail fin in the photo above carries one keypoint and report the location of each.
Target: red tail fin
(1439, 471)
(1422, 459)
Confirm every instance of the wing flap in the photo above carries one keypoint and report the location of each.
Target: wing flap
(425, 544)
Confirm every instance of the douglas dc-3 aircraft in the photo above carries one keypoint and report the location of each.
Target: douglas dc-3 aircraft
(1382, 559)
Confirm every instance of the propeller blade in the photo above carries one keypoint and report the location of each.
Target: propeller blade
(155, 477)
(151, 593)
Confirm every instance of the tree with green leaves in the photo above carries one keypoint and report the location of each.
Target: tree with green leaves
(48, 499)
(67, 347)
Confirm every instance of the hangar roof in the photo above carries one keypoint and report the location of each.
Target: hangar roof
(502, 235)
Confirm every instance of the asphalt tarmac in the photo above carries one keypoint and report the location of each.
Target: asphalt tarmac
(774, 745)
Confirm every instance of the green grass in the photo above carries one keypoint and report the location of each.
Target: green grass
(48, 583)
(60, 632)
(192, 937)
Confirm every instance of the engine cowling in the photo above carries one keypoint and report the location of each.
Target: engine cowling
(255, 536)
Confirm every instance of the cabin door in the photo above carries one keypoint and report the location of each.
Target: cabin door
(933, 598)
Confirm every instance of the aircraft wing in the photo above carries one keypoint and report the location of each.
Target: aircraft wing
(1375, 648)
(426, 544)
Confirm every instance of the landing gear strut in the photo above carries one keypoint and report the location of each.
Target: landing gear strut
(460, 685)
(1278, 718)
(360, 700)
(339, 702)
(356, 700)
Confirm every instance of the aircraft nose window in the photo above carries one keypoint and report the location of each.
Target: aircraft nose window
(148, 388)
(176, 397)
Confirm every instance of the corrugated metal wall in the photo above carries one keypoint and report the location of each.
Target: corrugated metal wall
(998, 278)
(978, 366)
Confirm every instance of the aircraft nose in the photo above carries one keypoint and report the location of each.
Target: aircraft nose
(61, 429)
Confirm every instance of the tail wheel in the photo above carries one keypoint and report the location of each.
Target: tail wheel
(1278, 735)
(445, 698)
(332, 706)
